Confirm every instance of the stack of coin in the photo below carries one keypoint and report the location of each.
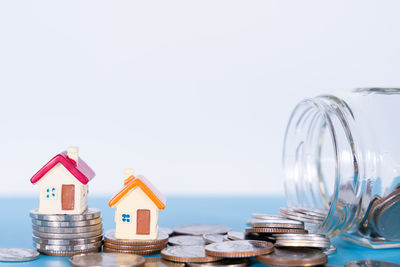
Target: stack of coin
(291, 235)
(67, 235)
(268, 228)
(226, 253)
(302, 240)
(138, 247)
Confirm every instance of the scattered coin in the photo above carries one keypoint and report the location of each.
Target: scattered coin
(68, 242)
(201, 229)
(66, 223)
(159, 262)
(106, 259)
(109, 236)
(165, 230)
(213, 238)
(18, 254)
(67, 230)
(90, 214)
(187, 254)
(241, 262)
(294, 257)
(239, 248)
(276, 230)
(235, 235)
(186, 240)
(283, 223)
(371, 263)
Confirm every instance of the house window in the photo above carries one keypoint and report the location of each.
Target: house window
(126, 218)
(51, 193)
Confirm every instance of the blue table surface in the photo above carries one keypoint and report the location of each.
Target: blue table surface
(16, 231)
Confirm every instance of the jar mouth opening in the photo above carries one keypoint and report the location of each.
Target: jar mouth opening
(320, 162)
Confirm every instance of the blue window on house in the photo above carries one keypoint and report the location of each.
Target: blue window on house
(126, 218)
(51, 193)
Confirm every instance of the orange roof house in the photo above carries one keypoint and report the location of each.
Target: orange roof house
(137, 206)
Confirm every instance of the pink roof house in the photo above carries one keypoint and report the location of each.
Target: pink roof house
(63, 184)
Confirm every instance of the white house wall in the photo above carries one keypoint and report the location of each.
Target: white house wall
(55, 178)
(129, 204)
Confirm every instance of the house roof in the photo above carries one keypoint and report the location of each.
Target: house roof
(80, 170)
(147, 187)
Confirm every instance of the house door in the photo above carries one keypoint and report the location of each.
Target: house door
(68, 196)
(143, 222)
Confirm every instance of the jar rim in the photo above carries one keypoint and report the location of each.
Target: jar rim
(305, 184)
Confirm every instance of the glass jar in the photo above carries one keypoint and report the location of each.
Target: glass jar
(341, 156)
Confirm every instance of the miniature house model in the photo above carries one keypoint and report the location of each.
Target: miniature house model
(137, 206)
(63, 184)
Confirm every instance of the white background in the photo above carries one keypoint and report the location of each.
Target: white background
(195, 95)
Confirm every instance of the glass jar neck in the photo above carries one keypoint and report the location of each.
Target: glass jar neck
(321, 162)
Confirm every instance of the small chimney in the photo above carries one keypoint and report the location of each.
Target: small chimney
(127, 173)
(72, 153)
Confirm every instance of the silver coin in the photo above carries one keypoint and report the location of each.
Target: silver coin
(235, 235)
(310, 237)
(67, 230)
(303, 216)
(302, 243)
(187, 254)
(90, 213)
(213, 238)
(67, 236)
(66, 223)
(67, 248)
(18, 254)
(283, 223)
(201, 229)
(331, 250)
(264, 216)
(186, 240)
(165, 230)
(383, 216)
(371, 263)
(242, 262)
(239, 248)
(107, 260)
(299, 216)
(67, 242)
(311, 212)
